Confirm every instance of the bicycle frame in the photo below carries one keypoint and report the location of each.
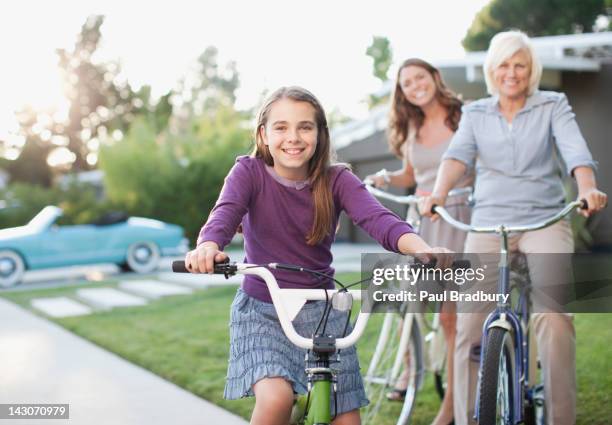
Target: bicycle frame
(430, 346)
(288, 303)
(504, 316)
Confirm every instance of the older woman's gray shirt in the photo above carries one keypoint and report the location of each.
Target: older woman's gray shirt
(518, 172)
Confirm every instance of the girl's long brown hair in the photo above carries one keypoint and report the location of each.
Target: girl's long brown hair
(318, 166)
(405, 116)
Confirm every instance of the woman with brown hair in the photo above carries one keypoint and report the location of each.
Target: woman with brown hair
(424, 116)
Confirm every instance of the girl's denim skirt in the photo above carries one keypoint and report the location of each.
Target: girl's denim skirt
(259, 349)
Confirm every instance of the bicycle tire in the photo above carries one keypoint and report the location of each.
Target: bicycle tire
(437, 356)
(440, 383)
(416, 376)
(379, 379)
(496, 401)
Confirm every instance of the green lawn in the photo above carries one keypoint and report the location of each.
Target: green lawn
(184, 339)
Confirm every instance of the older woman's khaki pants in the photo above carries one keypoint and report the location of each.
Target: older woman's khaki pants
(555, 333)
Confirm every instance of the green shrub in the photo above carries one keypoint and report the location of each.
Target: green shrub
(25, 200)
(175, 178)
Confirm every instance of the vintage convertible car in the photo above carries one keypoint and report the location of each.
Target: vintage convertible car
(134, 243)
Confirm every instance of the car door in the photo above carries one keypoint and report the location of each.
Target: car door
(69, 245)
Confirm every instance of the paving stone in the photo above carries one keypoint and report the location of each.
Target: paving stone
(153, 288)
(94, 272)
(60, 307)
(107, 298)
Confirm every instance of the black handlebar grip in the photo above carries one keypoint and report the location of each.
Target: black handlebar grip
(433, 208)
(179, 267)
(462, 264)
(457, 264)
(585, 204)
(221, 267)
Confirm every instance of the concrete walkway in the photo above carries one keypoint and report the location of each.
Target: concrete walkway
(40, 362)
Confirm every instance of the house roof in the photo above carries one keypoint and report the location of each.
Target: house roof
(573, 53)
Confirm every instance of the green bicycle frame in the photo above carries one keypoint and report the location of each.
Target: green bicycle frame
(318, 405)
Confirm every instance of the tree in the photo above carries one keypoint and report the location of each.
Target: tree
(91, 89)
(101, 100)
(382, 56)
(175, 173)
(207, 88)
(102, 106)
(534, 17)
(335, 117)
(31, 165)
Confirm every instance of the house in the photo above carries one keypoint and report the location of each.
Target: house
(579, 65)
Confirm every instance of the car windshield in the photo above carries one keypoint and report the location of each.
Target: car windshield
(45, 218)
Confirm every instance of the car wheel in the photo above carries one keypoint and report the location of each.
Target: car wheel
(143, 257)
(12, 268)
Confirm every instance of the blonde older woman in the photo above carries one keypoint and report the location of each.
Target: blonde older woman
(510, 139)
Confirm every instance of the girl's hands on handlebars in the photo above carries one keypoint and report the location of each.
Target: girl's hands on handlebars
(426, 203)
(203, 258)
(443, 257)
(413, 245)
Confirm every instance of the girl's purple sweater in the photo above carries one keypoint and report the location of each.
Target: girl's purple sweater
(276, 215)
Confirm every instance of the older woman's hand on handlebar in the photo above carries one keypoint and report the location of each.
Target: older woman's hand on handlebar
(596, 201)
(426, 203)
(203, 258)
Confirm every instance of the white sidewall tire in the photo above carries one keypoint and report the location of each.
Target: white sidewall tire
(138, 261)
(13, 266)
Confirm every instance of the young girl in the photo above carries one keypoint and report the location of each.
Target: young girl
(287, 196)
(424, 116)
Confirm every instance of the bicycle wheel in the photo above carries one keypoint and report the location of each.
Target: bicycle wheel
(436, 360)
(391, 361)
(497, 379)
(414, 370)
(440, 381)
(535, 409)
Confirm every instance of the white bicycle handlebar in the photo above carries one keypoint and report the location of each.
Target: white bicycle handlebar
(410, 199)
(442, 212)
(288, 303)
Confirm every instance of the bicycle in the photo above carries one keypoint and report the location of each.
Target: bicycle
(507, 390)
(409, 335)
(314, 407)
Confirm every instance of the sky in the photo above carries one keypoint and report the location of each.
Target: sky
(319, 45)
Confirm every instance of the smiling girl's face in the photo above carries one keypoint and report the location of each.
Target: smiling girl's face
(291, 136)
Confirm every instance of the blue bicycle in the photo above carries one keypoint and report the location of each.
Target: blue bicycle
(508, 391)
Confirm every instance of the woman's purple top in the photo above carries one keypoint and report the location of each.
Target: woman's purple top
(277, 214)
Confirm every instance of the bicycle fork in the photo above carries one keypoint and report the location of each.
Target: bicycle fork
(504, 317)
(314, 407)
